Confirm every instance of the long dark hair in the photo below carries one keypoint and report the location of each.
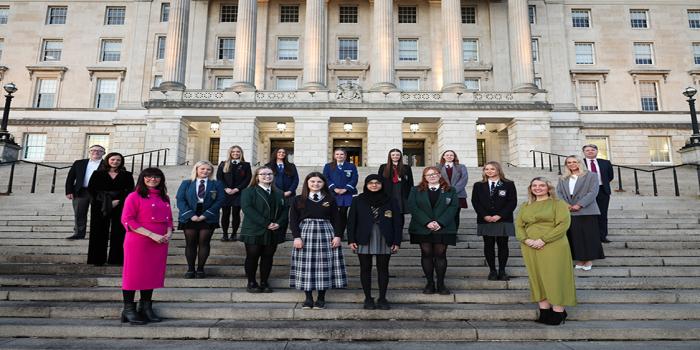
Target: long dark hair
(305, 189)
(390, 164)
(288, 167)
(334, 163)
(142, 189)
(104, 164)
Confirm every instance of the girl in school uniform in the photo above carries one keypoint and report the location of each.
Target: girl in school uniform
(342, 182)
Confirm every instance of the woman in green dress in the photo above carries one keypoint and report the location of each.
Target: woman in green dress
(541, 228)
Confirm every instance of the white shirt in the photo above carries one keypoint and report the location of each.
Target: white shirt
(572, 183)
(92, 165)
(320, 196)
(493, 184)
(199, 181)
(434, 188)
(597, 167)
(266, 188)
(449, 164)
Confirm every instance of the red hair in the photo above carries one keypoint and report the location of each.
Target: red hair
(423, 185)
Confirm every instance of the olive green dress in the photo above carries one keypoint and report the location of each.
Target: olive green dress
(550, 269)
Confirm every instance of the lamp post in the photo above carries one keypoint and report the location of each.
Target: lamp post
(689, 93)
(5, 136)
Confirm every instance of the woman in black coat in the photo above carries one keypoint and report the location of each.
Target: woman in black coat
(375, 224)
(235, 174)
(494, 199)
(397, 178)
(109, 185)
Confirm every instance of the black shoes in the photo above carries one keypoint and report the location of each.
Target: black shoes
(264, 288)
(225, 237)
(74, 237)
(442, 290)
(383, 304)
(253, 287)
(189, 274)
(429, 288)
(320, 304)
(130, 315)
(545, 315)
(503, 276)
(200, 274)
(145, 309)
(308, 304)
(556, 318)
(493, 276)
(369, 304)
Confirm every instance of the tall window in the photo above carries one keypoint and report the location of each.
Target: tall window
(408, 14)
(227, 48)
(46, 93)
(106, 95)
(97, 139)
(409, 84)
(581, 18)
(408, 49)
(696, 53)
(348, 14)
(115, 15)
(532, 13)
(4, 14)
(535, 50)
(289, 13)
(347, 49)
(643, 53)
(602, 143)
(472, 84)
(659, 149)
(111, 50)
(286, 83)
(649, 96)
(160, 47)
(223, 83)
(229, 13)
(51, 50)
(34, 147)
(585, 53)
(639, 18)
(468, 14)
(694, 19)
(164, 12)
(287, 49)
(56, 15)
(470, 50)
(588, 95)
(157, 80)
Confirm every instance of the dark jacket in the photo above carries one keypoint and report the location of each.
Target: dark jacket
(361, 221)
(187, 200)
(76, 176)
(283, 181)
(502, 203)
(260, 210)
(238, 176)
(607, 174)
(422, 212)
(406, 180)
(345, 178)
(103, 189)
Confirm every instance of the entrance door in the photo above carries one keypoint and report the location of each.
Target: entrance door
(287, 144)
(481, 151)
(353, 147)
(214, 150)
(414, 152)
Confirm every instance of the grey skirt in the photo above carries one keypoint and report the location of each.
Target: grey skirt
(496, 229)
(377, 244)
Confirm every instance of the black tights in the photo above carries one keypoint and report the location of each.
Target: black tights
(230, 215)
(382, 273)
(343, 222)
(262, 253)
(490, 252)
(197, 247)
(434, 256)
(310, 296)
(130, 295)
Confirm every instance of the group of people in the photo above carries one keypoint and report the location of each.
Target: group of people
(555, 225)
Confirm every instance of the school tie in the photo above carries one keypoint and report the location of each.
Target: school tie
(493, 187)
(280, 168)
(268, 191)
(594, 169)
(200, 189)
(315, 197)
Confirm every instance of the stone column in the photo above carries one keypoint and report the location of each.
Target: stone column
(522, 69)
(311, 141)
(261, 50)
(383, 134)
(176, 46)
(315, 46)
(453, 56)
(242, 131)
(459, 135)
(383, 41)
(171, 133)
(526, 135)
(244, 61)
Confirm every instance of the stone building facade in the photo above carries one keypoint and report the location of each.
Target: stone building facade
(489, 79)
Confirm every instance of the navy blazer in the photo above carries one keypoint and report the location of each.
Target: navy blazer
(76, 176)
(283, 181)
(346, 178)
(502, 203)
(360, 222)
(187, 200)
(607, 174)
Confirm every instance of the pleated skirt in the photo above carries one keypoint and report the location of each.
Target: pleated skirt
(317, 266)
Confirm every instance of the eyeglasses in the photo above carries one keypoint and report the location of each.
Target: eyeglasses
(97, 150)
(265, 174)
(432, 174)
(152, 177)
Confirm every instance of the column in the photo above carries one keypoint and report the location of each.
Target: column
(311, 141)
(241, 131)
(459, 135)
(261, 50)
(383, 41)
(315, 46)
(383, 134)
(526, 135)
(453, 56)
(498, 15)
(244, 61)
(176, 46)
(168, 132)
(522, 69)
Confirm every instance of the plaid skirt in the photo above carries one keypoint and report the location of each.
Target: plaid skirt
(317, 266)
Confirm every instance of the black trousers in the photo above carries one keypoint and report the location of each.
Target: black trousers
(343, 222)
(230, 215)
(81, 204)
(603, 201)
(106, 231)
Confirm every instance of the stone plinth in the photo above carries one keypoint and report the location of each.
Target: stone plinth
(383, 134)
(168, 133)
(9, 152)
(690, 154)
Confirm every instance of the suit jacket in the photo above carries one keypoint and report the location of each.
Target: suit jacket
(501, 203)
(406, 181)
(238, 176)
(422, 212)
(187, 200)
(607, 173)
(585, 192)
(361, 221)
(459, 178)
(346, 178)
(76, 176)
(259, 210)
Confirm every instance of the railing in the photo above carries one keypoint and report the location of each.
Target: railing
(133, 157)
(620, 188)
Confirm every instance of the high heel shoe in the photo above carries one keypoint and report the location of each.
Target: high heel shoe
(545, 314)
(130, 315)
(557, 318)
(145, 309)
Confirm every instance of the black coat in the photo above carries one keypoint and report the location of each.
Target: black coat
(102, 186)
(502, 203)
(406, 181)
(361, 220)
(607, 174)
(76, 176)
(238, 176)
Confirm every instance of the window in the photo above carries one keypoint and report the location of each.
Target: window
(4, 14)
(348, 80)
(639, 18)
(532, 13)
(696, 53)
(470, 50)
(97, 139)
(602, 143)
(56, 15)
(223, 82)
(472, 84)
(643, 53)
(160, 47)
(46, 93)
(227, 48)
(535, 50)
(106, 95)
(649, 95)
(289, 13)
(347, 49)
(287, 49)
(408, 49)
(584, 53)
(286, 83)
(229, 13)
(51, 50)
(164, 12)
(659, 149)
(694, 19)
(588, 95)
(34, 147)
(111, 50)
(157, 80)
(348, 14)
(409, 84)
(538, 83)
(408, 14)
(581, 18)
(115, 15)
(468, 14)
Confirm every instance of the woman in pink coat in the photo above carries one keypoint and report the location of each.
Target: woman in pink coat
(148, 220)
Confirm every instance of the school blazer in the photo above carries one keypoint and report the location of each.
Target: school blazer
(585, 192)
(259, 210)
(187, 200)
(460, 176)
(238, 176)
(361, 221)
(422, 213)
(502, 203)
(346, 178)
(406, 181)
(283, 181)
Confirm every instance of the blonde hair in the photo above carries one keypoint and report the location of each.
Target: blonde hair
(193, 176)
(227, 163)
(581, 168)
(531, 198)
(499, 169)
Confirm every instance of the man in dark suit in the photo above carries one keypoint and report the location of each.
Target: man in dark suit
(76, 188)
(603, 168)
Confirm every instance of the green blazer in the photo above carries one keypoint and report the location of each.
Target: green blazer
(422, 213)
(260, 210)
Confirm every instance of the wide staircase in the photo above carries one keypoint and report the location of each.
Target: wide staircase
(647, 289)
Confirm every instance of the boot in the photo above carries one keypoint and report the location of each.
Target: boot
(225, 237)
(429, 287)
(556, 318)
(130, 315)
(545, 315)
(146, 310)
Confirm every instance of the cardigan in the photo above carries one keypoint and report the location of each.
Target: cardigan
(361, 220)
(260, 210)
(345, 178)
(422, 212)
(187, 200)
(502, 203)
